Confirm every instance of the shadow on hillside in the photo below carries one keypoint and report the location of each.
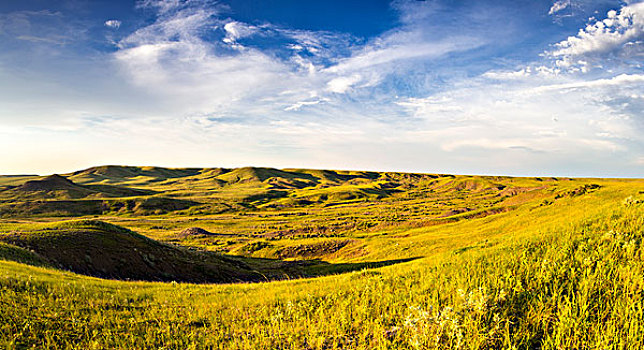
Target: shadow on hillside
(275, 269)
(100, 249)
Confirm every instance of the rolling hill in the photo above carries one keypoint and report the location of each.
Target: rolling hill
(147, 190)
(410, 261)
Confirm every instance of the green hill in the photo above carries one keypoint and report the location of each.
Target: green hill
(214, 190)
(116, 173)
(59, 187)
(53, 186)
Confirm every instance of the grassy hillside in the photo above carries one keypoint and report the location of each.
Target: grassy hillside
(101, 249)
(429, 261)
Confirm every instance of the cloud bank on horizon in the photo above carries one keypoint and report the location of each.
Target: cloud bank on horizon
(492, 87)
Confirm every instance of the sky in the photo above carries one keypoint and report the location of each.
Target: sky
(522, 87)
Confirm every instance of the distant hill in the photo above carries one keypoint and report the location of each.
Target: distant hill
(115, 174)
(132, 190)
(59, 187)
(54, 186)
(49, 183)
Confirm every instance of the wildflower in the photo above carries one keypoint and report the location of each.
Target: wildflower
(630, 200)
(391, 332)
(461, 293)
(501, 296)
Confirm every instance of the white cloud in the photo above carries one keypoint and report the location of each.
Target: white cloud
(617, 81)
(319, 44)
(508, 75)
(534, 114)
(164, 6)
(298, 105)
(342, 84)
(170, 58)
(113, 23)
(178, 26)
(531, 71)
(619, 37)
(374, 56)
(237, 30)
(558, 6)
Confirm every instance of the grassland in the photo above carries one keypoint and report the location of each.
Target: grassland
(404, 261)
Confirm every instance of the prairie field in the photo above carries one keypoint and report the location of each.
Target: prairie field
(261, 258)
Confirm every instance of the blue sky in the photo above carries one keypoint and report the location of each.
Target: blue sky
(472, 87)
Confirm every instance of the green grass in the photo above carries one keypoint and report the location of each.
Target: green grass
(442, 262)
